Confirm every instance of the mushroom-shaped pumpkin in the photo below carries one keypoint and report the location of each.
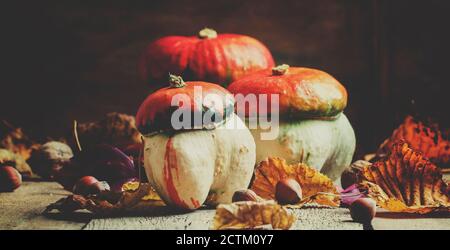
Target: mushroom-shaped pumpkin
(312, 127)
(197, 150)
(212, 57)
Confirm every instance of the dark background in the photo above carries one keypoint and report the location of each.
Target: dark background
(65, 60)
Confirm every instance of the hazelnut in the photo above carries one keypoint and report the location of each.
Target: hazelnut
(288, 191)
(245, 195)
(10, 179)
(363, 210)
(88, 185)
(351, 174)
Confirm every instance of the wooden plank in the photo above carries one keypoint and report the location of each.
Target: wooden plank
(22, 209)
(308, 218)
(399, 221)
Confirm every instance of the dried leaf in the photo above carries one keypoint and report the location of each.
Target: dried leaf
(134, 185)
(15, 140)
(110, 203)
(252, 215)
(114, 129)
(314, 185)
(406, 181)
(425, 137)
(15, 160)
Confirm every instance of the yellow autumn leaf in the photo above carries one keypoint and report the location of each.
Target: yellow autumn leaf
(252, 215)
(134, 185)
(316, 187)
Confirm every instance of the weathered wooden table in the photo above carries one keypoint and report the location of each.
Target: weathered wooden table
(23, 209)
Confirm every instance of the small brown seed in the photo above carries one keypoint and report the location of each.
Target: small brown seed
(288, 191)
(363, 210)
(10, 179)
(88, 185)
(245, 195)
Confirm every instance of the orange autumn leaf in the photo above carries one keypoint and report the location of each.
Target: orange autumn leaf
(424, 137)
(406, 181)
(252, 215)
(313, 183)
(15, 140)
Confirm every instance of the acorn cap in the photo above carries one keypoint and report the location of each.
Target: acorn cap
(198, 99)
(303, 92)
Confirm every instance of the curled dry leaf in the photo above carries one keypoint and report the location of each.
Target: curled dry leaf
(425, 137)
(252, 215)
(114, 129)
(316, 187)
(406, 181)
(136, 200)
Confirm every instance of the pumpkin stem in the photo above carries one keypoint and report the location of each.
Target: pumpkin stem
(280, 69)
(176, 81)
(207, 33)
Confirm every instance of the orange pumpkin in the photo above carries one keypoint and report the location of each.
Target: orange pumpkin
(154, 114)
(205, 163)
(211, 57)
(303, 92)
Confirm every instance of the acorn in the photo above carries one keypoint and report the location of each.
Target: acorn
(89, 185)
(10, 179)
(245, 195)
(288, 191)
(363, 210)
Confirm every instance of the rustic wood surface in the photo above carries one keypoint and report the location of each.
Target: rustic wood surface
(23, 209)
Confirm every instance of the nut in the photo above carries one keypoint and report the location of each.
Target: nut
(363, 210)
(288, 191)
(245, 195)
(351, 174)
(89, 185)
(10, 179)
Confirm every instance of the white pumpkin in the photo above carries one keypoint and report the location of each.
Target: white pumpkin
(312, 126)
(190, 167)
(327, 145)
(187, 167)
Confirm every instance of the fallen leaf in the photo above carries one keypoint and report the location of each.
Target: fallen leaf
(425, 137)
(110, 203)
(15, 160)
(134, 185)
(115, 129)
(15, 140)
(252, 215)
(315, 186)
(406, 181)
